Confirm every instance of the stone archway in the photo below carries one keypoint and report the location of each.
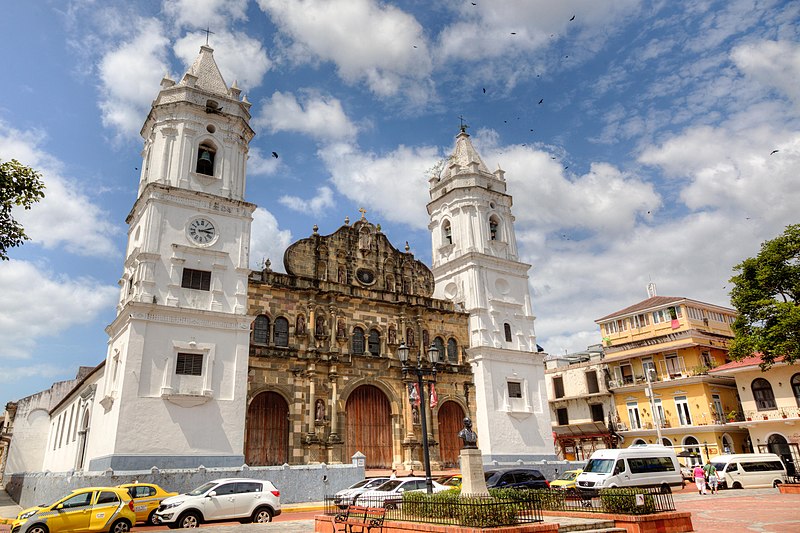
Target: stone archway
(267, 440)
(369, 426)
(451, 417)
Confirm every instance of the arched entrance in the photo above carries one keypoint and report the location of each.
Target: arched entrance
(691, 444)
(369, 426)
(267, 430)
(451, 417)
(777, 444)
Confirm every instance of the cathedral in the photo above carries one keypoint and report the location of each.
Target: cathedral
(210, 363)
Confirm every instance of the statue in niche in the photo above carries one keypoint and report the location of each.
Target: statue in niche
(340, 333)
(364, 239)
(319, 325)
(300, 326)
(410, 337)
(415, 415)
(426, 339)
(319, 411)
(342, 275)
(468, 437)
(392, 335)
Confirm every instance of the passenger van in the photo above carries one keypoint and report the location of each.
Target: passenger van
(641, 465)
(749, 470)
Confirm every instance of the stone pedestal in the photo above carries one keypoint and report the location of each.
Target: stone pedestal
(473, 482)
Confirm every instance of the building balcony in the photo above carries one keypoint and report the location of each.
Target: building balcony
(788, 414)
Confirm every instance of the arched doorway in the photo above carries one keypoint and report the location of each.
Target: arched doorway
(777, 444)
(451, 418)
(267, 430)
(369, 426)
(692, 445)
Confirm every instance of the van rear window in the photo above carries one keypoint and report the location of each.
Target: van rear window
(642, 465)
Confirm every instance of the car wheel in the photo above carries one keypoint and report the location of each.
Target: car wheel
(737, 485)
(38, 528)
(189, 520)
(261, 515)
(153, 520)
(665, 489)
(776, 483)
(390, 506)
(120, 526)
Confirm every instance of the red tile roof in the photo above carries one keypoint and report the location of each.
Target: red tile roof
(650, 303)
(753, 360)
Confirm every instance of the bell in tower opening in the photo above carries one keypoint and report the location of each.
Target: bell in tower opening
(205, 160)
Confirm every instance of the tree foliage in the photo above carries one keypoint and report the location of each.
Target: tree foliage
(20, 186)
(765, 293)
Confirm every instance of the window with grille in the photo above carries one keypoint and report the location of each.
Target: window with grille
(281, 333)
(452, 351)
(358, 341)
(514, 389)
(261, 330)
(189, 364)
(374, 343)
(438, 343)
(196, 279)
(763, 395)
(558, 387)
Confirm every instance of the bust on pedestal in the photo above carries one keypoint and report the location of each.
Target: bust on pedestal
(473, 482)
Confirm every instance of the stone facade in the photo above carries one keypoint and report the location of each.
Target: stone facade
(325, 342)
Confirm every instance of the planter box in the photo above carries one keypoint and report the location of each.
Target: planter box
(669, 522)
(792, 488)
(324, 524)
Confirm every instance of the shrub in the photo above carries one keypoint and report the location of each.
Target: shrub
(623, 501)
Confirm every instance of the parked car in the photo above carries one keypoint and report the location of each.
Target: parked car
(515, 478)
(146, 499)
(347, 496)
(640, 465)
(245, 500)
(390, 494)
(686, 473)
(90, 509)
(451, 482)
(566, 481)
(749, 470)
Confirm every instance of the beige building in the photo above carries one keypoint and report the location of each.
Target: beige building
(659, 352)
(580, 403)
(771, 403)
(325, 380)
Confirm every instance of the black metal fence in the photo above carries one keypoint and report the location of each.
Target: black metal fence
(620, 501)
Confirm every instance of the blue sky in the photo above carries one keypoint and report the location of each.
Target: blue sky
(637, 139)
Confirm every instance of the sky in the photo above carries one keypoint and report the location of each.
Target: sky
(643, 141)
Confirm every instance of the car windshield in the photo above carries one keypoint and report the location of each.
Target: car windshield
(359, 484)
(389, 485)
(599, 466)
(373, 483)
(568, 476)
(202, 489)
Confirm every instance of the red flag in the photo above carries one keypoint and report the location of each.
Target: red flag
(434, 396)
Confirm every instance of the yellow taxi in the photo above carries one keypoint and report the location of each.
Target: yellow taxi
(566, 481)
(146, 499)
(90, 509)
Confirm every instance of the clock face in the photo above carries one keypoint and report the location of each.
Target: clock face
(201, 231)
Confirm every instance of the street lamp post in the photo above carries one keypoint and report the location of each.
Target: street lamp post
(421, 371)
(656, 416)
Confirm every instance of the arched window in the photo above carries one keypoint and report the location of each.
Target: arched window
(205, 159)
(447, 232)
(763, 395)
(639, 441)
(438, 342)
(507, 331)
(692, 445)
(452, 351)
(796, 388)
(494, 228)
(280, 336)
(358, 341)
(374, 343)
(261, 330)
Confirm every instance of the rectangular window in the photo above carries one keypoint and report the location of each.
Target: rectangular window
(644, 465)
(695, 313)
(611, 327)
(591, 382)
(597, 412)
(633, 415)
(189, 364)
(682, 405)
(563, 416)
(674, 366)
(558, 387)
(196, 279)
(708, 359)
(627, 374)
(640, 321)
(514, 389)
(659, 418)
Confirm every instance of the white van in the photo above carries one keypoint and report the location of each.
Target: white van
(749, 470)
(641, 465)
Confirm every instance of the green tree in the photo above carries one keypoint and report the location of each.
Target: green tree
(766, 294)
(19, 186)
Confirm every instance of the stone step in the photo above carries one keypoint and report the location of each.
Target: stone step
(589, 526)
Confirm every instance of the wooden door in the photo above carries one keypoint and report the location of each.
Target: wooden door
(451, 420)
(267, 430)
(369, 426)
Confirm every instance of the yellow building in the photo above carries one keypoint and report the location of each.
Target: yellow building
(659, 352)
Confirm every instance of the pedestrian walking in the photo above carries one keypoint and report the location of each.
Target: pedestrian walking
(699, 479)
(711, 477)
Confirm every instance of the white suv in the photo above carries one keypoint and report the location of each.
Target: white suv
(245, 500)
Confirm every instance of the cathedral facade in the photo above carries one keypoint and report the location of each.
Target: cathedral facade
(325, 380)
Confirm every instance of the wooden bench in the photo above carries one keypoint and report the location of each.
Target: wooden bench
(359, 519)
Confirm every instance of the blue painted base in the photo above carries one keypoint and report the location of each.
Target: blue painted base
(146, 462)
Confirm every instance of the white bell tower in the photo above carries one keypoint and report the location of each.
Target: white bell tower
(175, 384)
(476, 265)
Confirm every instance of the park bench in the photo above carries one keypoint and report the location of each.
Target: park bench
(359, 519)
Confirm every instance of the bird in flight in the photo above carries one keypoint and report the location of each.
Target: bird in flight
(573, 18)
(484, 90)
(513, 33)
(774, 152)
(542, 100)
(275, 155)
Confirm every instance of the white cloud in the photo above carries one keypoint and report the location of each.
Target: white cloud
(260, 165)
(394, 184)
(38, 303)
(267, 240)
(773, 64)
(66, 216)
(206, 13)
(368, 41)
(240, 58)
(14, 375)
(322, 201)
(317, 116)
